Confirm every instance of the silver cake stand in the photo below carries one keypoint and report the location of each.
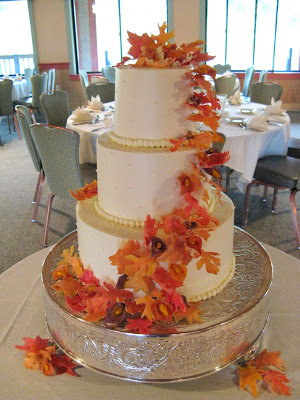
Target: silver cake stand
(233, 321)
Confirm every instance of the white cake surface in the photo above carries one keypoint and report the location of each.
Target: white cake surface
(149, 102)
(134, 182)
(99, 239)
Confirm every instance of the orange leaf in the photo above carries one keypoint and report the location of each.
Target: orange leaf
(211, 262)
(119, 259)
(33, 345)
(265, 359)
(276, 379)
(67, 285)
(88, 191)
(248, 377)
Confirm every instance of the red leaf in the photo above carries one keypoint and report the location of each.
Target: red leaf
(33, 345)
(141, 325)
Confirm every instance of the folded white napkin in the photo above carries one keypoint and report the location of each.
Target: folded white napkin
(95, 103)
(81, 115)
(6, 77)
(274, 108)
(227, 73)
(259, 122)
(18, 78)
(99, 79)
(235, 99)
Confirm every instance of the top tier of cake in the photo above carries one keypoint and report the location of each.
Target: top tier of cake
(150, 103)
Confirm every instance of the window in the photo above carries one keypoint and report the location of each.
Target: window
(16, 51)
(101, 28)
(262, 33)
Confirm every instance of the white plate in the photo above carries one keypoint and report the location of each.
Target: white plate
(236, 120)
(247, 111)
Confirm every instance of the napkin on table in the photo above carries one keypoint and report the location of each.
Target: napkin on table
(274, 108)
(18, 78)
(81, 115)
(259, 122)
(235, 99)
(6, 76)
(96, 103)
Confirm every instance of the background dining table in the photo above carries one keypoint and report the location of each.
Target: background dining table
(20, 89)
(22, 315)
(247, 145)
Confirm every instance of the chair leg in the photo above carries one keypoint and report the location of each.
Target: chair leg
(265, 193)
(15, 121)
(47, 219)
(32, 116)
(294, 215)
(274, 203)
(228, 173)
(8, 123)
(38, 194)
(246, 207)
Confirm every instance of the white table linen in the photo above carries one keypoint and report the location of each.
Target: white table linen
(22, 315)
(89, 134)
(20, 90)
(246, 146)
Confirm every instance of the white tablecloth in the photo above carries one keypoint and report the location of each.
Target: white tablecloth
(20, 90)
(246, 146)
(89, 134)
(22, 314)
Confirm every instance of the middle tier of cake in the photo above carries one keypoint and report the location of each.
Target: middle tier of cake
(134, 181)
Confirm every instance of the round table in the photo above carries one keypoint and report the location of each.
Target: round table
(22, 314)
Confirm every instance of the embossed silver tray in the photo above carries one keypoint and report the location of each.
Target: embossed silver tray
(233, 321)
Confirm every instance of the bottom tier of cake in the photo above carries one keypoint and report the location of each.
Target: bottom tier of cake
(98, 239)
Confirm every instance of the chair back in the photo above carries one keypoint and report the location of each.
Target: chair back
(84, 80)
(225, 84)
(220, 69)
(39, 85)
(56, 107)
(263, 92)
(59, 151)
(6, 103)
(25, 121)
(28, 72)
(249, 76)
(109, 73)
(106, 91)
(51, 79)
(263, 76)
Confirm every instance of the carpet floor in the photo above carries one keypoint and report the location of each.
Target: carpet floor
(20, 237)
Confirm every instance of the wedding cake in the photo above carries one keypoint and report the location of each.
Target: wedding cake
(159, 225)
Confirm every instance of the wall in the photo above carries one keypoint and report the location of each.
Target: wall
(53, 48)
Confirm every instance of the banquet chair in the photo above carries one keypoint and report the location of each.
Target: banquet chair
(25, 121)
(263, 92)
(39, 85)
(263, 76)
(28, 72)
(278, 172)
(106, 91)
(59, 151)
(6, 104)
(221, 69)
(84, 80)
(109, 73)
(56, 107)
(51, 79)
(225, 84)
(249, 76)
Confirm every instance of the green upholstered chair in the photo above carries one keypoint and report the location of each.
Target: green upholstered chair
(249, 76)
(25, 121)
(109, 73)
(56, 107)
(84, 81)
(51, 79)
(263, 92)
(59, 151)
(225, 84)
(278, 172)
(222, 68)
(28, 72)
(106, 91)
(39, 85)
(263, 76)
(6, 104)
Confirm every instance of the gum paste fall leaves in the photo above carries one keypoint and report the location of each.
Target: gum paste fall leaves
(172, 241)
